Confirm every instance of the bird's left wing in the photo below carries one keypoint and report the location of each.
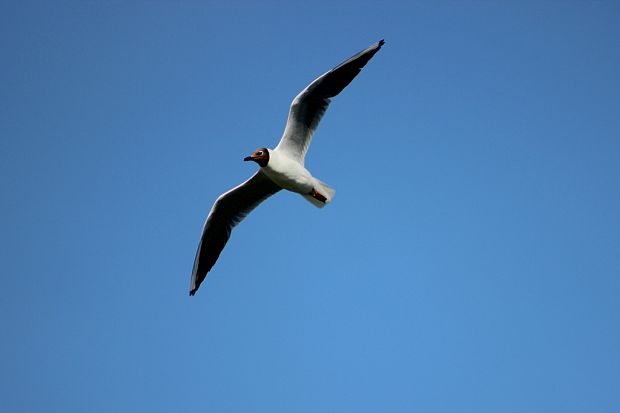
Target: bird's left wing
(229, 209)
(310, 104)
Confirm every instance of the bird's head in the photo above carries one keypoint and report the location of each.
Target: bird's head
(260, 156)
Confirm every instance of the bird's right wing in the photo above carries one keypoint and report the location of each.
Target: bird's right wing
(229, 210)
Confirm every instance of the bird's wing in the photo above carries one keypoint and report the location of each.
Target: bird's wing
(229, 209)
(310, 104)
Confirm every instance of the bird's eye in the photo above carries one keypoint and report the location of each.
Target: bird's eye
(259, 153)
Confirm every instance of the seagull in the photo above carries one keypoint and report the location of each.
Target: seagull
(280, 168)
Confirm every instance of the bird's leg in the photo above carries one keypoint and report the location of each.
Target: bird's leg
(318, 196)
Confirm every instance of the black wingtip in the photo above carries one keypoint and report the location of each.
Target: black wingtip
(381, 42)
(191, 293)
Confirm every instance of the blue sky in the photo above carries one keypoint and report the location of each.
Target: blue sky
(470, 260)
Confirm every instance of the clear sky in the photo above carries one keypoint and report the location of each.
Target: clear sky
(470, 261)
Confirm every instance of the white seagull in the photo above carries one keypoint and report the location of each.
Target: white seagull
(280, 168)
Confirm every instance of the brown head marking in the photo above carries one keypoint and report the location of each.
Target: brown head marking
(260, 156)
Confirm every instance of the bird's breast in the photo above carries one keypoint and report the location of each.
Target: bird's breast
(289, 174)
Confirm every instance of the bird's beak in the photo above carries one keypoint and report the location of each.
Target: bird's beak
(248, 158)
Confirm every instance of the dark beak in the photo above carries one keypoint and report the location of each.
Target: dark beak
(248, 158)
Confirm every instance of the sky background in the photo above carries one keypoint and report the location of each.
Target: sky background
(470, 261)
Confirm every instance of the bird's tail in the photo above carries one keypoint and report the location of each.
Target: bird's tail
(323, 190)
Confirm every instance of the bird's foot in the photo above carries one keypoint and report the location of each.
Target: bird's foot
(318, 196)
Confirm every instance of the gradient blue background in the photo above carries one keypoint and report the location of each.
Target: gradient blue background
(470, 261)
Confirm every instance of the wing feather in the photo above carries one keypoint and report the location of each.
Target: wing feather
(229, 209)
(310, 104)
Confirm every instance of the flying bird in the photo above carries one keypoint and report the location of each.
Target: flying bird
(280, 168)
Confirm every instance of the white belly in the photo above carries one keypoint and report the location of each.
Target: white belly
(289, 174)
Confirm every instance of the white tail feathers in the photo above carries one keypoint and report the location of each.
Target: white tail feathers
(323, 189)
